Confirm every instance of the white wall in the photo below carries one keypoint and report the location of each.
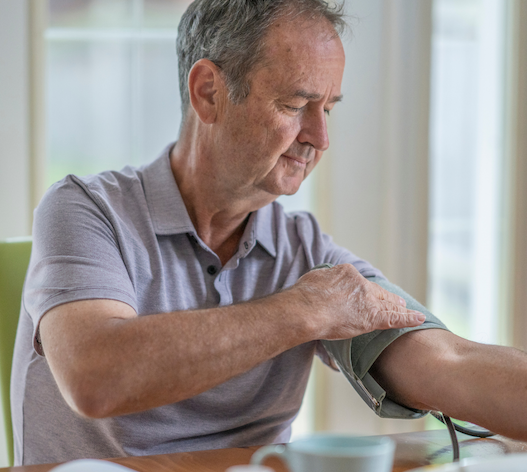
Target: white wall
(14, 119)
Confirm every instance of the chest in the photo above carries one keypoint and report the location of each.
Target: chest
(180, 274)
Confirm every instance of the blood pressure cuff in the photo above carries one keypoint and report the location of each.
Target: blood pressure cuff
(355, 356)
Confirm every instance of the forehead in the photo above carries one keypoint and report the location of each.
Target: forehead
(303, 52)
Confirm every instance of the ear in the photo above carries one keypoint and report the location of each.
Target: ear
(206, 88)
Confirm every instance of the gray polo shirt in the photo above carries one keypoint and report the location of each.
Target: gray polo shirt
(127, 236)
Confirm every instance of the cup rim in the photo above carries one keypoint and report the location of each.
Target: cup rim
(366, 446)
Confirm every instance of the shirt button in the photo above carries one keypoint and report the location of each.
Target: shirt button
(212, 269)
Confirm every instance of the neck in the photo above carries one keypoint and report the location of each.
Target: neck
(218, 212)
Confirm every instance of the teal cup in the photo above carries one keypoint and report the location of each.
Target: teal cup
(332, 453)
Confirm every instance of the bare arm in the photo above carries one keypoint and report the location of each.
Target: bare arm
(108, 361)
(437, 370)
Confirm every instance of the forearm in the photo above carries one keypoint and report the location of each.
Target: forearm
(437, 370)
(492, 381)
(130, 364)
(107, 361)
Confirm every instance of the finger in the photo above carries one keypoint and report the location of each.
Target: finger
(383, 294)
(391, 316)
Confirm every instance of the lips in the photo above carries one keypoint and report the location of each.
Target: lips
(297, 160)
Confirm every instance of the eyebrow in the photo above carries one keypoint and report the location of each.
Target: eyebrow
(315, 96)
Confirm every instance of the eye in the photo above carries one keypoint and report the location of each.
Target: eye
(327, 112)
(294, 109)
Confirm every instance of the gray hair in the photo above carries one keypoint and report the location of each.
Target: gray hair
(230, 33)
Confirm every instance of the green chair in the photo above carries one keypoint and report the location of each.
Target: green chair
(14, 260)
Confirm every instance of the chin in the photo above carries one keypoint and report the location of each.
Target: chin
(290, 192)
(287, 190)
(283, 186)
(290, 188)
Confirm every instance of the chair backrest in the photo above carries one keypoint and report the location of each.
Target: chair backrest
(14, 260)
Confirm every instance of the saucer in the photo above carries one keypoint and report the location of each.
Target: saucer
(509, 463)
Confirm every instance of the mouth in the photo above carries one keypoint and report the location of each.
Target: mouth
(296, 161)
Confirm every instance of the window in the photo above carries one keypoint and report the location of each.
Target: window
(112, 83)
(467, 165)
(112, 86)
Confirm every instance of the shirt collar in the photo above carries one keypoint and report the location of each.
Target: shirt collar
(167, 209)
(264, 228)
(170, 216)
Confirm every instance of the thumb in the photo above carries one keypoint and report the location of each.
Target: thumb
(392, 316)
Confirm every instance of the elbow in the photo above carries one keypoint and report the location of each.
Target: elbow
(90, 400)
(89, 408)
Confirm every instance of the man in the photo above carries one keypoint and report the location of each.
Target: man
(172, 307)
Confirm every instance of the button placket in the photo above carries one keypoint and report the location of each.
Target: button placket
(221, 285)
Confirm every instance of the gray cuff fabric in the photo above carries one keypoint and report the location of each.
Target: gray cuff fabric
(355, 356)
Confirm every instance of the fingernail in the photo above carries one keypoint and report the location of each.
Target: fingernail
(402, 302)
(419, 317)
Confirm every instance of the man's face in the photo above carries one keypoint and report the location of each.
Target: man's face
(273, 139)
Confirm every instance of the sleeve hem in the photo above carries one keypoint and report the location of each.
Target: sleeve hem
(73, 295)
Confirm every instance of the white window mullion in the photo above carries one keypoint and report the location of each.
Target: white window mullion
(137, 142)
(488, 169)
(14, 119)
(514, 281)
(37, 93)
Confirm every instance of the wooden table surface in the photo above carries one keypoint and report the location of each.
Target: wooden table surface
(413, 450)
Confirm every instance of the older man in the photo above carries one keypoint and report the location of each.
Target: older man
(172, 307)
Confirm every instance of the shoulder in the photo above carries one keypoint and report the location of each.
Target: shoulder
(103, 191)
(108, 184)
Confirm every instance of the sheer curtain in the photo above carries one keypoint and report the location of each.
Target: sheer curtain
(376, 180)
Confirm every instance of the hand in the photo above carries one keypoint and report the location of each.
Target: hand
(343, 304)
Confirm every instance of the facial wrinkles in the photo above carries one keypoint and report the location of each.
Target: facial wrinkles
(313, 66)
(256, 124)
(303, 151)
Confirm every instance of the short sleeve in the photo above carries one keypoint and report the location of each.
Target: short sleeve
(75, 253)
(355, 356)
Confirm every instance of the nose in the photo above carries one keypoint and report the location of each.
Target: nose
(314, 129)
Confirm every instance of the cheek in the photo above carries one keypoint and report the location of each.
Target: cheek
(262, 132)
(272, 129)
(280, 134)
